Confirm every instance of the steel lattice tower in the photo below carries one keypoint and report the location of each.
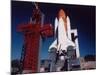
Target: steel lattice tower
(32, 33)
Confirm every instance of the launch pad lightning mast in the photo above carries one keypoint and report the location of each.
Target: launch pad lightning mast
(32, 32)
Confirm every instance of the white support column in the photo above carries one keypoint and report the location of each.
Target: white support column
(76, 42)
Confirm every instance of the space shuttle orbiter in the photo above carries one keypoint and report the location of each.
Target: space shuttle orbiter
(62, 32)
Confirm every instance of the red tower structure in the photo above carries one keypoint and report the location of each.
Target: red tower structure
(32, 32)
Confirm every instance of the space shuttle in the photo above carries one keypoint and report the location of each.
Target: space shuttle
(62, 33)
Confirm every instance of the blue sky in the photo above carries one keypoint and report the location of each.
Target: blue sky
(81, 17)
